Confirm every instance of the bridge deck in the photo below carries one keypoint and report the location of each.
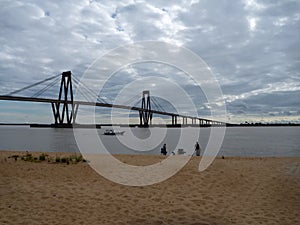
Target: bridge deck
(47, 100)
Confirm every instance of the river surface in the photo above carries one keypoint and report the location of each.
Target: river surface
(238, 141)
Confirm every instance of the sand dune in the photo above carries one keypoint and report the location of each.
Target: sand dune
(230, 191)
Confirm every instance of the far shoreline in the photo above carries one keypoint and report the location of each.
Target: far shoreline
(100, 126)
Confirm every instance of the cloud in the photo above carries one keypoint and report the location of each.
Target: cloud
(252, 46)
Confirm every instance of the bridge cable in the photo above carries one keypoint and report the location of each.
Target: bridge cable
(160, 106)
(132, 100)
(32, 85)
(37, 94)
(87, 89)
(156, 106)
(92, 93)
(83, 93)
(155, 101)
(81, 85)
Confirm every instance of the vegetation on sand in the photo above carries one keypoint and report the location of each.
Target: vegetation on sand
(28, 157)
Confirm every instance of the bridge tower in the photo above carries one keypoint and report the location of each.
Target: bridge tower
(145, 113)
(64, 110)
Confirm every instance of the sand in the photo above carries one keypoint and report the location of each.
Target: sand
(230, 191)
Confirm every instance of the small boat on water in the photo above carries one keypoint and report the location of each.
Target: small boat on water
(112, 132)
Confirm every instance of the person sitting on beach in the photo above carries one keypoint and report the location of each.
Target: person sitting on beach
(163, 150)
(197, 149)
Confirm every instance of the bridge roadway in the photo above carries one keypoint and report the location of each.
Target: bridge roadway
(47, 100)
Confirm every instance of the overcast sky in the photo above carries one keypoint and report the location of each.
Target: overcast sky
(252, 47)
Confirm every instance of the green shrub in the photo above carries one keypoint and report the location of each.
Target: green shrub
(63, 160)
(15, 157)
(27, 157)
(42, 157)
(76, 158)
(79, 158)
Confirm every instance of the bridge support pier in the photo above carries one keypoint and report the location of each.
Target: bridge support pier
(174, 120)
(200, 122)
(184, 120)
(145, 113)
(64, 110)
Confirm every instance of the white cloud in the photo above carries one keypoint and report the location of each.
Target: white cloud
(253, 5)
(281, 21)
(285, 86)
(252, 46)
(252, 23)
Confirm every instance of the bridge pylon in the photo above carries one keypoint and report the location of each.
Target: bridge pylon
(145, 113)
(64, 110)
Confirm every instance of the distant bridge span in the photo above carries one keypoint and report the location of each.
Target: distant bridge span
(68, 112)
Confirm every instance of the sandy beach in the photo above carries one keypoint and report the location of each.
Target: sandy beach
(230, 191)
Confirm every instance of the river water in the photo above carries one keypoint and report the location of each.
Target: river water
(238, 141)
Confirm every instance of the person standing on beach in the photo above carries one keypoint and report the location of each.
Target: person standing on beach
(197, 149)
(164, 150)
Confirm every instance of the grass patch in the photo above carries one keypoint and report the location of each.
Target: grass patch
(42, 157)
(14, 157)
(76, 158)
(64, 160)
(28, 157)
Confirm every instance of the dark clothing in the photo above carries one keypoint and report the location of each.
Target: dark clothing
(197, 149)
(163, 150)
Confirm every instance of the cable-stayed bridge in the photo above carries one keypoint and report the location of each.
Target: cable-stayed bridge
(65, 107)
